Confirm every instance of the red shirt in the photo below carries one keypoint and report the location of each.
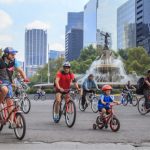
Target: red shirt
(65, 79)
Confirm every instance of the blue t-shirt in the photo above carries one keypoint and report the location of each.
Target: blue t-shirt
(108, 99)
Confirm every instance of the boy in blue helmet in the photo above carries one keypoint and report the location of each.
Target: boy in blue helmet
(8, 64)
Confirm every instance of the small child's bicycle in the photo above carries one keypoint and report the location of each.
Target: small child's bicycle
(109, 119)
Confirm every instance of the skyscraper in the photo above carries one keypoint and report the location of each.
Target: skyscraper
(143, 24)
(55, 54)
(74, 35)
(35, 49)
(126, 27)
(94, 24)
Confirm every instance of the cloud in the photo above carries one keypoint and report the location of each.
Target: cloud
(38, 25)
(57, 46)
(5, 19)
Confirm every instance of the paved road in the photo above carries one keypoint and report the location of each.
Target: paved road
(134, 129)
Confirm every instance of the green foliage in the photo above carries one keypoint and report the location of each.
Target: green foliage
(1, 52)
(135, 59)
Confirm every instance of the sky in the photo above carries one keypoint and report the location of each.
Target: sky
(16, 15)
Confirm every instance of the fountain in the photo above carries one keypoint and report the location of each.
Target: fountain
(108, 69)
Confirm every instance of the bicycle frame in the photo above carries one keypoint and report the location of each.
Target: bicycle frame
(7, 115)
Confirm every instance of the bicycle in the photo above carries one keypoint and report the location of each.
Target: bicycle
(126, 98)
(40, 96)
(68, 109)
(109, 119)
(23, 100)
(91, 98)
(19, 119)
(141, 106)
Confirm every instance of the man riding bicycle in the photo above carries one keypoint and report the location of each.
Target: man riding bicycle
(8, 64)
(89, 85)
(63, 81)
(127, 89)
(146, 90)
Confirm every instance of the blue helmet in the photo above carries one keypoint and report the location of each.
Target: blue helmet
(10, 50)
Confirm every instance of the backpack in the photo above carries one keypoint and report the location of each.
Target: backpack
(140, 86)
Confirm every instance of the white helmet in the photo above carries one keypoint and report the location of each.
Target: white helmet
(66, 64)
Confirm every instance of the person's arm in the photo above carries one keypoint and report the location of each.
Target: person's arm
(86, 85)
(23, 75)
(102, 100)
(57, 84)
(96, 87)
(147, 82)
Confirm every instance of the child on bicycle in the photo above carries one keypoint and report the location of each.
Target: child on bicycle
(105, 100)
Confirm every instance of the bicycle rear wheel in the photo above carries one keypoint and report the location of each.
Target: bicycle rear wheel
(134, 100)
(141, 106)
(36, 97)
(70, 115)
(20, 129)
(60, 113)
(26, 105)
(94, 105)
(125, 100)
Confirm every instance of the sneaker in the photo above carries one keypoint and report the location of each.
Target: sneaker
(56, 117)
(12, 125)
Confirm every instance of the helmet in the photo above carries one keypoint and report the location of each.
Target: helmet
(66, 64)
(106, 87)
(91, 75)
(148, 71)
(10, 50)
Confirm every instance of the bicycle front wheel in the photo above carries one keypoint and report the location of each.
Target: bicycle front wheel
(94, 105)
(114, 124)
(134, 100)
(26, 105)
(141, 106)
(70, 115)
(20, 129)
(82, 108)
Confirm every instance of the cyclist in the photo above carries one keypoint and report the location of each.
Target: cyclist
(88, 86)
(127, 89)
(146, 90)
(105, 100)
(8, 64)
(63, 81)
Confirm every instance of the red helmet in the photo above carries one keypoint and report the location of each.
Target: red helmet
(106, 87)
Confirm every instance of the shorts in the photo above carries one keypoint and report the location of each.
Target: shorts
(101, 106)
(9, 86)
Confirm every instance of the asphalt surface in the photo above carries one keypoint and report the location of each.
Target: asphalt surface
(134, 130)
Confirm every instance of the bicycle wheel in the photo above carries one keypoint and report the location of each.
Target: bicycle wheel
(43, 97)
(36, 97)
(70, 115)
(60, 113)
(114, 124)
(26, 105)
(94, 105)
(99, 122)
(134, 100)
(125, 100)
(20, 129)
(141, 106)
(82, 108)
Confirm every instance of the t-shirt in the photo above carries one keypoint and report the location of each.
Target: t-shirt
(65, 79)
(107, 99)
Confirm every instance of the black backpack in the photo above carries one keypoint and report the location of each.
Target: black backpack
(140, 86)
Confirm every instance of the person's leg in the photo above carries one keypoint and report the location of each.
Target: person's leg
(146, 95)
(4, 91)
(57, 105)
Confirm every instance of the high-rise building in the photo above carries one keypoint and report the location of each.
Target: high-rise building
(143, 24)
(126, 27)
(94, 24)
(74, 44)
(54, 54)
(35, 49)
(74, 35)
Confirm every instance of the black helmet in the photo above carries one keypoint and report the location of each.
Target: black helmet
(66, 64)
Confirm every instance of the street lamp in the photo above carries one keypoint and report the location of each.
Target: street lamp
(48, 71)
